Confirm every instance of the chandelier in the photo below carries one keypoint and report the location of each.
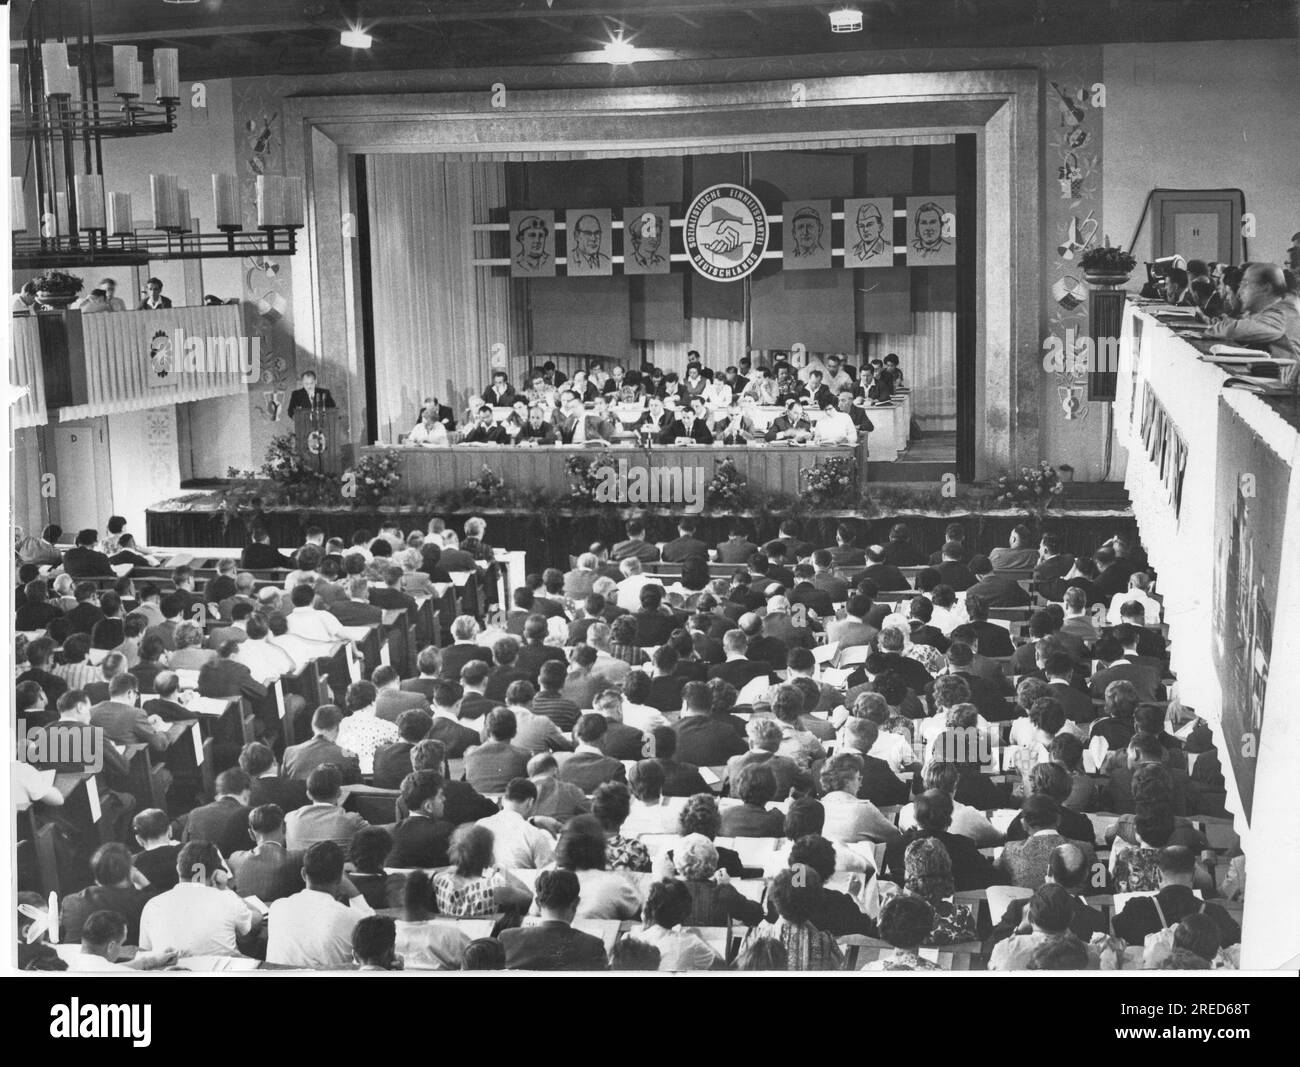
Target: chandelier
(62, 114)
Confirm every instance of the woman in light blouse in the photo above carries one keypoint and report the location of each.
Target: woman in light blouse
(428, 431)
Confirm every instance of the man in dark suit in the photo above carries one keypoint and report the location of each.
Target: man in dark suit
(1145, 679)
(654, 622)
(635, 546)
(506, 672)
(464, 632)
(886, 575)
(1068, 867)
(1175, 901)
(665, 692)
(224, 822)
(685, 544)
(738, 669)
(1058, 669)
(880, 784)
(737, 548)
(268, 870)
(793, 426)
(474, 703)
(825, 579)
(489, 767)
(987, 700)
(995, 590)
(429, 664)
(534, 651)
(952, 570)
(268, 787)
(953, 534)
(900, 552)
(795, 547)
(421, 839)
(589, 767)
(121, 718)
(806, 592)
(708, 649)
(1053, 564)
(393, 761)
(391, 701)
(301, 760)
(446, 727)
(553, 944)
(83, 561)
(1112, 573)
(693, 423)
(82, 618)
(390, 597)
(308, 397)
(259, 555)
(357, 610)
(705, 739)
(226, 677)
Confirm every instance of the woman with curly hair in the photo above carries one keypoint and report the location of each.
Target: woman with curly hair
(928, 874)
(472, 889)
(793, 894)
(905, 922)
(699, 815)
(611, 803)
(714, 900)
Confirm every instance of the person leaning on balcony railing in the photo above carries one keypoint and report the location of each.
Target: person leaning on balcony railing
(1269, 320)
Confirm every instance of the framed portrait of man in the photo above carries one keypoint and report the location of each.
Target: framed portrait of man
(869, 232)
(645, 240)
(588, 243)
(931, 231)
(532, 244)
(807, 241)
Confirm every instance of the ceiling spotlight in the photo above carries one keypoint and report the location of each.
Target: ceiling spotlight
(619, 51)
(355, 39)
(846, 20)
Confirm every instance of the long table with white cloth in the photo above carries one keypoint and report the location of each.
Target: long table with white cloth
(1211, 476)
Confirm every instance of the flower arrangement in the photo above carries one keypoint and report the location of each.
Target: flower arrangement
(584, 474)
(829, 483)
(1107, 266)
(1034, 488)
(372, 480)
(728, 488)
(487, 489)
(58, 283)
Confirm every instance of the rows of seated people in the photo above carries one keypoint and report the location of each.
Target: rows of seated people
(639, 765)
(703, 406)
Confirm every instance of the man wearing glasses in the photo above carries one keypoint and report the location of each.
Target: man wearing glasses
(587, 234)
(1268, 320)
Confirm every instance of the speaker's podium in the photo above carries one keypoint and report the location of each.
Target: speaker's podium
(318, 434)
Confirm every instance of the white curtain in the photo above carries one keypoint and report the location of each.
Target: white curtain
(928, 357)
(720, 341)
(437, 317)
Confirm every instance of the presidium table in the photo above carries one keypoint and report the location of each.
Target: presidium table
(770, 466)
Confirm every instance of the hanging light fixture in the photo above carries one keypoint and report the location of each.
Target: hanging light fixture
(64, 114)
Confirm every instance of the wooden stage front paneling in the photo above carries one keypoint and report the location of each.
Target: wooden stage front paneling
(429, 470)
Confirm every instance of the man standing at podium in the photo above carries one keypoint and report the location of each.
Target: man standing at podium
(308, 397)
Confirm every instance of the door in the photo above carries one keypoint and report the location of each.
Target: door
(77, 501)
(1198, 224)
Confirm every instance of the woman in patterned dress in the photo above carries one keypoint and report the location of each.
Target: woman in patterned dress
(928, 874)
(905, 922)
(794, 894)
(472, 889)
(611, 804)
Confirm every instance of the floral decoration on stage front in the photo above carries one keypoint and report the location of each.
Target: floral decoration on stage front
(585, 477)
(728, 490)
(832, 482)
(1034, 488)
(373, 479)
(487, 489)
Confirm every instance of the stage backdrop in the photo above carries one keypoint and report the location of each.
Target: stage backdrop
(1252, 488)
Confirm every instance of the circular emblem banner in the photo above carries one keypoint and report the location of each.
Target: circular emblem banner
(725, 232)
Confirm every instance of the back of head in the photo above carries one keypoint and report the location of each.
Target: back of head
(1050, 909)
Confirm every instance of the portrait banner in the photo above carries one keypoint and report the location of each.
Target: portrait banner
(931, 231)
(869, 232)
(645, 240)
(807, 240)
(588, 243)
(532, 244)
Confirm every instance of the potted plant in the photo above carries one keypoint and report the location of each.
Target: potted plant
(1107, 266)
(55, 289)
